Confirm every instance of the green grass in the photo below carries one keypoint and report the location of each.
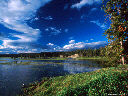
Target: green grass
(92, 58)
(58, 58)
(113, 80)
(79, 58)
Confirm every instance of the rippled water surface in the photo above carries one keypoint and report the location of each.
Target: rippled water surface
(15, 72)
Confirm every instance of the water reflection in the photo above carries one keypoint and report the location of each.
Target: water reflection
(18, 72)
(81, 66)
(72, 69)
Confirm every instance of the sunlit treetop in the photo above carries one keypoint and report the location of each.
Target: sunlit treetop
(117, 12)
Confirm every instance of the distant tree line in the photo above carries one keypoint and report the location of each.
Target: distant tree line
(80, 52)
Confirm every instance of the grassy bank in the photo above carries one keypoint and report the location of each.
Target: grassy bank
(79, 58)
(49, 60)
(58, 58)
(113, 80)
(92, 58)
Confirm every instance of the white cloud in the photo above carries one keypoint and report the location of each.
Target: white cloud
(53, 30)
(48, 18)
(1, 47)
(36, 18)
(101, 25)
(28, 51)
(14, 14)
(84, 2)
(73, 45)
(72, 41)
(20, 50)
(53, 47)
(50, 44)
(93, 44)
(80, 45)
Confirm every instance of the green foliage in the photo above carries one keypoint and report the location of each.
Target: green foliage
(88, 52)
(98, 83)
(112, 53)
(117, 13)
(111, 84)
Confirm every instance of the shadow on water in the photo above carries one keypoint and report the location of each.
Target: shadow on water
(17, 72)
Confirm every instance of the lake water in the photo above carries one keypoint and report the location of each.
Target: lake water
(15, 73)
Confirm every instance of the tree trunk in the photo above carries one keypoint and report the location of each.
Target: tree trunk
(122, 55)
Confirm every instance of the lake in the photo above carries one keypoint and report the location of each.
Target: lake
(16, 72)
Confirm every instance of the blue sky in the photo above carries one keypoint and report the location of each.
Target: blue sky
(51, 25)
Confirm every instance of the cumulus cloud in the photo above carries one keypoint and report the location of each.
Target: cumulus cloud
(20, 49)
(14, 14)
(53, 47)
(74, 46)
(72, 41)
(85, 2)
(80, 45)
(101, 25)
(50, 44)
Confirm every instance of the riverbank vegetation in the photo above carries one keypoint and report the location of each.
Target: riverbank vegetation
(92, 58)
(105, 81)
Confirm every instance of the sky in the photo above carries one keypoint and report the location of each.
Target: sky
(34, 26)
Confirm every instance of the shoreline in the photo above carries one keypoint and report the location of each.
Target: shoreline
(59, 58)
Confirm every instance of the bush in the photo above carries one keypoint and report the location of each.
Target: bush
(109, 84)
